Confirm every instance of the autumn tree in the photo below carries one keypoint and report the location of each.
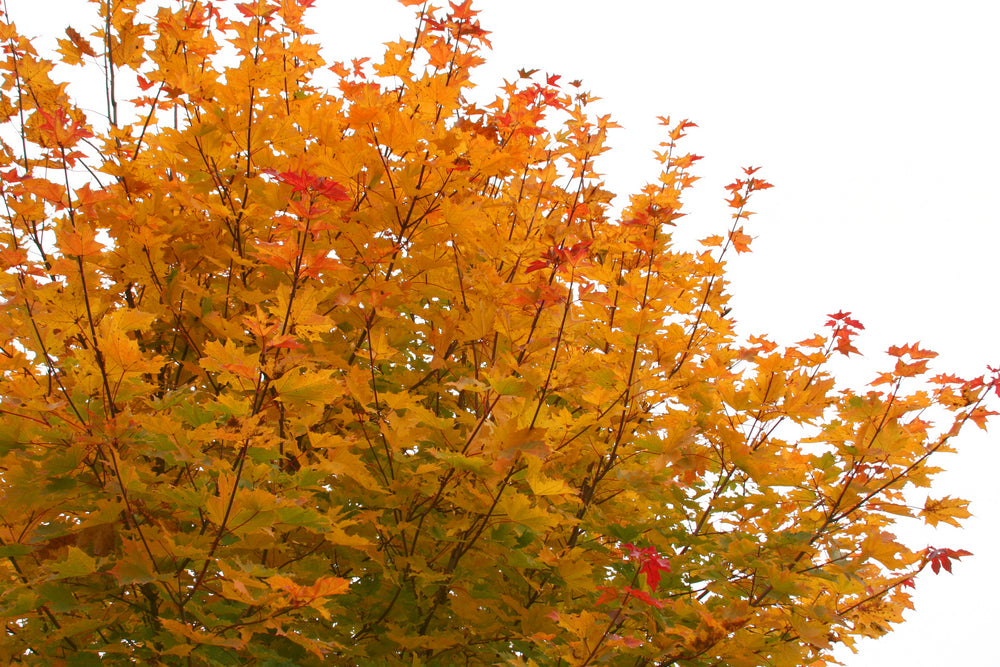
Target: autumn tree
(350, 364)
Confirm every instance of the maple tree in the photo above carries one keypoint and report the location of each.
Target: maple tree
(373, 375)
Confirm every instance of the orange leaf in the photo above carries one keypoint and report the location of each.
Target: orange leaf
(980, 414)
(741, 241)
(79, 244)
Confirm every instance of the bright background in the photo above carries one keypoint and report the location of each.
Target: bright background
(877, 121)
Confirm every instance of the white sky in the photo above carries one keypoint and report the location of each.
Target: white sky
(876, 120)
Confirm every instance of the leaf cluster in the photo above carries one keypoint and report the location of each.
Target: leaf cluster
(373, 375)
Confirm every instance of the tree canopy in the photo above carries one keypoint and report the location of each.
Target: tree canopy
(307, 363)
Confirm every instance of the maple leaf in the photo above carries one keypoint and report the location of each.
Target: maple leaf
(643, 596)
(608, 594)
(979, 415)
(740, 241)
(840, 318)
(914, 369)
(815, 341)
(941, 558)
(641, 220)
(678, 131)
(45, 189)
(306, 183)
(256, 10)
(913, 351)
(144, 84)
(947, 509)
(80, 42)
(685, 161)
(463, 11)
(844, 330)
(650, 563)
(65, 131)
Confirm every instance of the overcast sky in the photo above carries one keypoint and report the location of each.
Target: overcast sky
(877, 122)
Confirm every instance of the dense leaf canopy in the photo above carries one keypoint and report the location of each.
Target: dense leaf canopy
(366, 372)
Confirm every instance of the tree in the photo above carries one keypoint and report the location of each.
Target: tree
(374, 376)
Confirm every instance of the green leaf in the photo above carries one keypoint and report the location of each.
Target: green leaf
(18, 602)
(14, 550)
(76, 564)
(58, 597)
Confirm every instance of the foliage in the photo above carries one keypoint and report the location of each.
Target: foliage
(373, 376)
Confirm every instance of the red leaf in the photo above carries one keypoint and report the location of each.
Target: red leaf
(644, 596)
(608, 594)
(65, 130)
(650, 563)
(304, 182)
(653, 567)
(287, 342)
(941, 558)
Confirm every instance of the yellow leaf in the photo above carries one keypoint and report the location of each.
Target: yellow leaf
(519, 509)
(813, 632)
(337, 535)
(542, 485)
(185, 630)
(948, 510)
